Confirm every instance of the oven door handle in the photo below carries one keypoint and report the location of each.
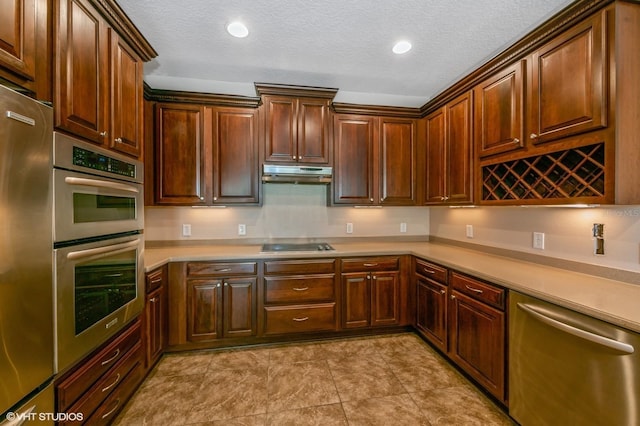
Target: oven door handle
(100, 184)
(101, 250)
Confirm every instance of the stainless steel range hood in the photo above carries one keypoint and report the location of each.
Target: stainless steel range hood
(276, 173)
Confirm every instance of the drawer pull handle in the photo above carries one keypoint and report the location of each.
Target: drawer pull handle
(110, 360)
(301, 288)
(301, 319)
(110, 412)
(474, 289)
(222, 269)
(112, 384)
(428, 271)
(370, 264)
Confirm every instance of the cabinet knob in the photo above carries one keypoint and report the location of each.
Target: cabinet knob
(300, 158)
(103, 133)
(215, 198)
(453, 297)
(533, 136)
(371, 199)
(375, 278)
(202, 198)
(118, 140)
(218, 285)
(368, 277)
(153, 300)
(443, 291)
(294, 157)
(226, 284)
(516, 140)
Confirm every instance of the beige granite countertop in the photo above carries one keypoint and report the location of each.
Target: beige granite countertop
(609, 300)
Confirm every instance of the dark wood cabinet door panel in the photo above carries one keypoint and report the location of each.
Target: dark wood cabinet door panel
(82, 86)
(235, 155)
(281, 129)
(499, 111)
(569, 89)
(458, 153)
(397, 166)
(239, 295)
(354, 154)
(155, 325)
(127, 117)
(17, 37)
(434, 189)
(431, 316)
(356, 296)
(203, 310)
(180, 162)
(385, 301)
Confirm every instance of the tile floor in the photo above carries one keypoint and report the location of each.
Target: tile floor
(383, 380)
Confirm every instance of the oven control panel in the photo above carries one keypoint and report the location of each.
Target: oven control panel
(96, 161)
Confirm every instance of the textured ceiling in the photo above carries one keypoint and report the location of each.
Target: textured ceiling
(343, 44)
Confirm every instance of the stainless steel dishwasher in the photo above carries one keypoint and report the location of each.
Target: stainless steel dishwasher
(566, 368)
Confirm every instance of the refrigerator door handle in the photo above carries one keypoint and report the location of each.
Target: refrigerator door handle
(586, 335)
(22, 118)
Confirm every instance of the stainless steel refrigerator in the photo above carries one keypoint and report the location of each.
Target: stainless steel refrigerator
(26, 247)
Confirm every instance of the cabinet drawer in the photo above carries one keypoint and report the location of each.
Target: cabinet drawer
(155, 279)
(297, 319)
(370, 264)
(429, 270)
(483, 292)
(319, 288)
(94, 367)
(108, 384)
(222, 269)
(291, 267)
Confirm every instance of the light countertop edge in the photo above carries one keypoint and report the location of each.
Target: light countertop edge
(609, 300)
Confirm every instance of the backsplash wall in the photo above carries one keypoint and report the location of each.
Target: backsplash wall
(567, 231)
(288, 211)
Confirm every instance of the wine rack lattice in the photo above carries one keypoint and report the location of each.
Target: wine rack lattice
(576, 172)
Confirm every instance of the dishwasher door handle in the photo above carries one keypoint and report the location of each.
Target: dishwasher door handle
(586, 335)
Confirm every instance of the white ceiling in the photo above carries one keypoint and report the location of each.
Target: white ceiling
(343, 44)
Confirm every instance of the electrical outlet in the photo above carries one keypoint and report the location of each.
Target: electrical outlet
(403, 227)
(538, 240)
(186, 230)
(242, 229)
(349, 228)
(469, 231)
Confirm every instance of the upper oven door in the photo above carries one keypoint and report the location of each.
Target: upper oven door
(91, 206)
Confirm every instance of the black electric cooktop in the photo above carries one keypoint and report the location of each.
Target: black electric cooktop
(277, 248)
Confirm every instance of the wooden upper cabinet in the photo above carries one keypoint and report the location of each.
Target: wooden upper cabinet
(499, 112)
(449, 153)
(127, 118)
(235, 171)
(18, 37)
(569, 82)
(397, 161)
(297, 130)
(81, 80)
(354, 159)
(180, 155)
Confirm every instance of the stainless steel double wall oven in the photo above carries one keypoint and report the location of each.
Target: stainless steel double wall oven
(98, 245)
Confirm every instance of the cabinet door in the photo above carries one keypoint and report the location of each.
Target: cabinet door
(235, 155)
(18, 37)
(458, 150)
(180, 155)
(354, 160)
(498, 112)
(397, 165)
(281, 127)
(385, 301)
(434, 189)
(569, 89)
(356, 310)
(126, 98)
(313, 142)
(81, 94)
(155, 325)
(204, 306)
(239, 297)
(431, 316)
(477, 341)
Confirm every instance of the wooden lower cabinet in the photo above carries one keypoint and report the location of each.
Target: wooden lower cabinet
(154, 333)
(431, 313)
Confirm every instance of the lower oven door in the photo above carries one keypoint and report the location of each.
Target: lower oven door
(99, 288)
(87, 205)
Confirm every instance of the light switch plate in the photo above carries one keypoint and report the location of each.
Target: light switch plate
(349, 228)
(538, 240)
(186, 230)
(469, 231)
(242, 229)
(403, 227)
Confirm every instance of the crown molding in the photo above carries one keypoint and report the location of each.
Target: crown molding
(389, 111)
(158, 95)
(297, 91)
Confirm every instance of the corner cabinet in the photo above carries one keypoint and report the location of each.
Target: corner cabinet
(447, 156)
(205, 155)
(154, 330)
(97, 78)
(374, 160)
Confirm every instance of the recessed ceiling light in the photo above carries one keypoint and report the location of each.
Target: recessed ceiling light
(237, 29)
(401, 47)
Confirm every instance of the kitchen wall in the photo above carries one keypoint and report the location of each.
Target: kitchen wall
(567, 231)
(288, 211)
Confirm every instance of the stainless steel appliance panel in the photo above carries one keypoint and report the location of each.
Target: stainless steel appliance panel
(38, 410)
(26, 294)
(99, 289)
(566, 368)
